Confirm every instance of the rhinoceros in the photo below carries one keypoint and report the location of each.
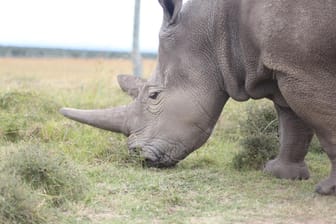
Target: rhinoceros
(210, 51)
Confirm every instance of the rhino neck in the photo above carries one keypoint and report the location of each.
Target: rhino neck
(205, 77)
(227, 48)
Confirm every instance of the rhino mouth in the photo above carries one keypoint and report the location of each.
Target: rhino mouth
(156, 156)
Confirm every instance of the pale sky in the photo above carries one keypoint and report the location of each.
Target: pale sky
(91, 24)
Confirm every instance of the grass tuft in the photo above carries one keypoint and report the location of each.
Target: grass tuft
(48, 171)
(19, 204)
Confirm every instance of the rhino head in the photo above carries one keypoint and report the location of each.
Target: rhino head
(175, 111)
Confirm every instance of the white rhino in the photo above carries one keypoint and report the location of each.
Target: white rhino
(209, 51)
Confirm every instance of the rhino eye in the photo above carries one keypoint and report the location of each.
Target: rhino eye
(154, 95)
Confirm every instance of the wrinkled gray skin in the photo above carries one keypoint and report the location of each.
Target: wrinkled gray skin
(283, 50)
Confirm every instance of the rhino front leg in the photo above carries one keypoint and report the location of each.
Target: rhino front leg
(295, 137)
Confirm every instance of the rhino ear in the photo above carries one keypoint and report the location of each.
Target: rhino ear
(171, 10)
(131, 84)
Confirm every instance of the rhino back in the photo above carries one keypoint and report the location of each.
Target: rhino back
(293, 35)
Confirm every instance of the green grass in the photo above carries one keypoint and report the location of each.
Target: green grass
(204, 188)
(47, 171)
(19, 203)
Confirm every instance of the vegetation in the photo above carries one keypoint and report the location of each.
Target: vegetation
(259, 138)
(18, 203)
(47, 171)
(54, 170)
(20, 114)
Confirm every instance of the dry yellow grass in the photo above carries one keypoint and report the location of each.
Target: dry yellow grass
(55, 72)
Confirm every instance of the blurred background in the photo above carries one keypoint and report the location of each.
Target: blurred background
(78, 24)
(80, 29)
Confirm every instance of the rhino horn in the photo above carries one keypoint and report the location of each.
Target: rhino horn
(112, 119)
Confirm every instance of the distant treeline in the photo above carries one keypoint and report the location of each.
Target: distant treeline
(11, 51)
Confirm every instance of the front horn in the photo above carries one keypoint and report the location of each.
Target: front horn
(112, 119)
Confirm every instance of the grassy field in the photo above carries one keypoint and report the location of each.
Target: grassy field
(112, 186)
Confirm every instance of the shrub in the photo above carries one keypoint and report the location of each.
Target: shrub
(261, 119)
(315, 146)
(19, 204)
(260, 140)
(48, 171)
(256, 151)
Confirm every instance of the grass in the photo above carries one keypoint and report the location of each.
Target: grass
(18, 203)
(204, 188)
(48, 171)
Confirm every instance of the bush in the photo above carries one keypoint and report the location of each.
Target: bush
(19, 204)
(315, 146)
(256, 151)
(260, 139)
(261, 119)
(47, 171)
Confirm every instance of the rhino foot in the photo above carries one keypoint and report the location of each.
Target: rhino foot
(327, 187)
(287, 170)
